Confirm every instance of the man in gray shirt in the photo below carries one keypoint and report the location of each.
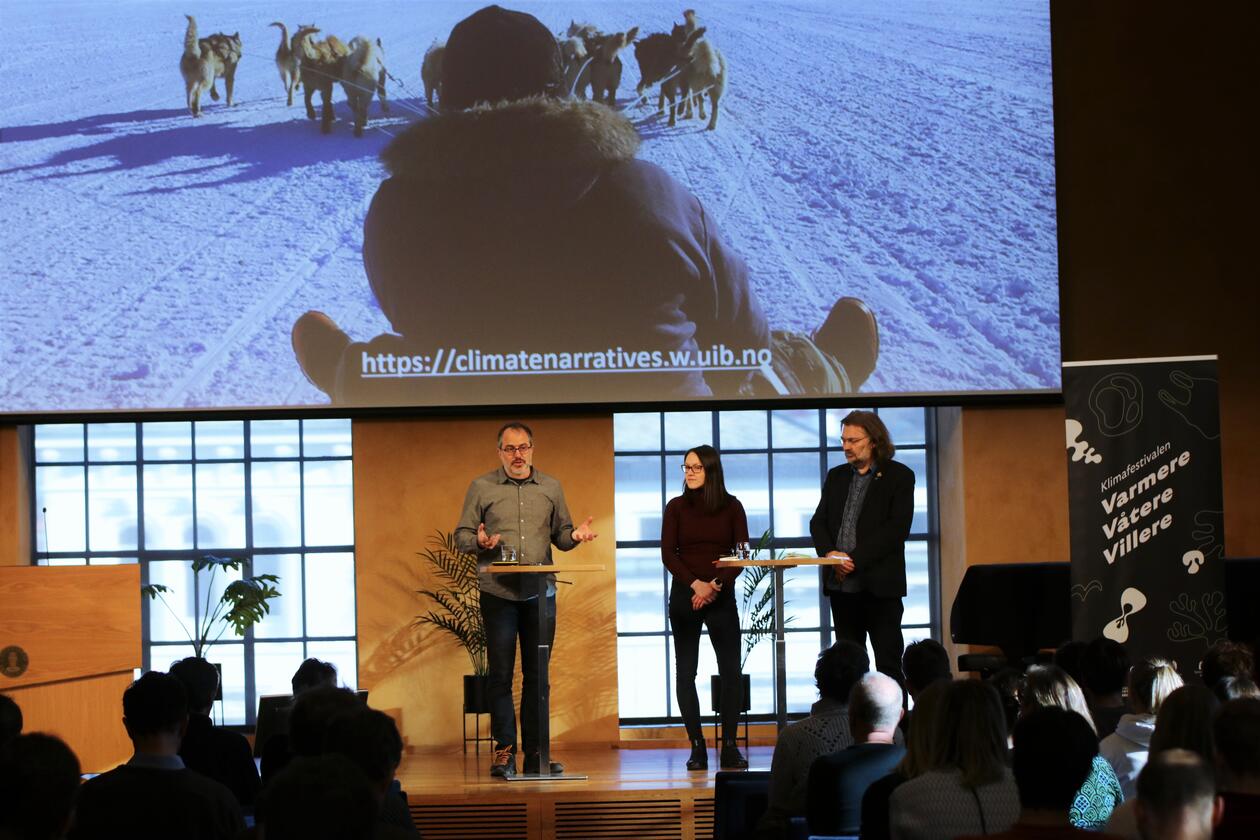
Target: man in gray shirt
(517, 507)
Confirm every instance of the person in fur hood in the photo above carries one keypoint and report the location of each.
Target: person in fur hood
(518, 231)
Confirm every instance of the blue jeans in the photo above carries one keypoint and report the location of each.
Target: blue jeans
(505, 621)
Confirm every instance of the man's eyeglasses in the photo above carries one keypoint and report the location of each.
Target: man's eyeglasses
(523, 449)
(693, 468)
(852, 441)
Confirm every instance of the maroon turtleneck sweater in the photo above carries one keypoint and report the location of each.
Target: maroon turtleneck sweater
(691, 540)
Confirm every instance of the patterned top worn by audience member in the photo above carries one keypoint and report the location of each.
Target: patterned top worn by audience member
(1097, 798)
(938, 806)
(826, 730)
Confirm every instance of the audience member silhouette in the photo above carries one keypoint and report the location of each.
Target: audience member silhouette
(323, 797)
(839, 780)
(1104, 669)
(1237, 734)
(925, 750)
(1176, 798)
(1050, 686)
(826, 730)
(1227, 659)
(10, 719)
(370, 739)
(1235, 688)
(221, 754)
(276, 753)
(39, 780)
(154, 794)
(923, 663)
(1053, 756)
(973, 791)
(1126, 749)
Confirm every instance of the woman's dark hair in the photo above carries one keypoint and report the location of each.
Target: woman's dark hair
(1185, 722)
(839, 668)
(881, 441)
(976, 739)
(712, 495)
(1104, 667)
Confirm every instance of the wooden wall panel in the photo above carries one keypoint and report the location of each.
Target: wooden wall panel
(15, 501)
(73, 621)
(86, 714)
(410, 478)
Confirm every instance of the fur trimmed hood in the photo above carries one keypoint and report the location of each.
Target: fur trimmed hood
(511, 138)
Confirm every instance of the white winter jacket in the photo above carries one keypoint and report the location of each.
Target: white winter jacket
(1126, 749)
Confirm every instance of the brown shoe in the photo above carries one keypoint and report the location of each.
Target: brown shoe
(851, 335)
(504, 763)
(319, 344)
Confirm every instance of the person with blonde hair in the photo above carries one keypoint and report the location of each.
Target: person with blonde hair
(1126, 749)
(1048, 686)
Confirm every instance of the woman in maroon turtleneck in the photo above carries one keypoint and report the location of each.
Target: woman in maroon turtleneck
(701, 525)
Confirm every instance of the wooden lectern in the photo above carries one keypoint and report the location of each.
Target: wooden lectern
(69, 644)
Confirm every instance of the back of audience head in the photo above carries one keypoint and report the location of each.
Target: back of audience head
(1237, 732)
(1009, 684)
(370, 739)
(155, 705)
(838, 669)
(975, 740)
(1235, 688)
(313, 673)
(927, 741)
(1226, 659)
(323, 797)
(1150, 682)
(1068, 656)
(1050, 685)
(923, 663)
(10, 719)
(313, 710)
(1104, 667)
(1185, 722)
(1176, 797)
(39, 777)
(1053, 756)
(200, 680)
(874, 706)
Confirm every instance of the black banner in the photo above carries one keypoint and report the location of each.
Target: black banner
(1145, 505)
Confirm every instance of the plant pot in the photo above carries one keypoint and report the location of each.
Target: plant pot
(715, 692)
(476, 694)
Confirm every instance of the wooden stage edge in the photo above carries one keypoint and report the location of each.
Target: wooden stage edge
(637, 794)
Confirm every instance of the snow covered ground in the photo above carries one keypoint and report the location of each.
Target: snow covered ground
(900, 152)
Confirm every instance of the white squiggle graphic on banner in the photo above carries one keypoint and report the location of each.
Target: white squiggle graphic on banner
(1081, 450)
(1083, 591)
(1194, 399)
(1116, 401)
(1131, 601)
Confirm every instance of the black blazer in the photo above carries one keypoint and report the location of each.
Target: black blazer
(882, 527)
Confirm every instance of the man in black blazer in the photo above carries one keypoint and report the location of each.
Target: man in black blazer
(864, 518)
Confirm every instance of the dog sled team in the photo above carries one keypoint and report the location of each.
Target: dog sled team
(685, 64)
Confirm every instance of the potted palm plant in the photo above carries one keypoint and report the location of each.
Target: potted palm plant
(455, 608)
(242, 604)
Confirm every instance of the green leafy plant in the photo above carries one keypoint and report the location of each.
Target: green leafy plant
(243, 603)
(756, 603)
(456, 606)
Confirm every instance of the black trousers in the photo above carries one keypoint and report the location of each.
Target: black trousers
(722, 619)
(506, 621)
(854, 614)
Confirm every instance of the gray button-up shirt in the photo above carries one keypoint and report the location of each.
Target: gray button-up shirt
(846, 540)
(530, 515)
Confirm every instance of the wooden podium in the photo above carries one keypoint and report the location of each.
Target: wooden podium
(69, 644)
(777, 566)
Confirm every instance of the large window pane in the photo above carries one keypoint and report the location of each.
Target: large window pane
(59, 443)
(171, 614)
(167, 441)
(220, 439)
(326, 438)
(634, 432)
(742, 429)
(795, 428)
(275, 664)
(796, 491)
(111, 442)
(168, 506)
(285, 619)
(748, 479)
(277, 502)
(112, 508)
(639, 502)
(916, 460)
(918, 609)
(328, 578)
(329, 513)
(221, 505)
(274, 439)
(61, 498)
(905, 425)
(643, 696)
(640, 590)
(687, 429)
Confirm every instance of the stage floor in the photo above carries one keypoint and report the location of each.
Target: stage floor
(637, 794)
